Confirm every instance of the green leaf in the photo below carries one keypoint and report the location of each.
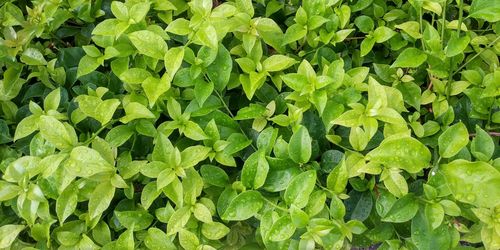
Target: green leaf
(294, 33)
(54, 131)
(474, 183)
(86, 65)
(9, 233)
(149, 43)
(134, 220)
(219, 71)
(135, 110)
(435, 214)
(403, 210)
(485, 9)
(456, 45)
(138, 11)
(243, 206)
(100, 199)
(482, 146)
(8, 191)
(255, 169)
(337, 179)
(178, 219)
(277, 63)
(157, 239)
(85, 162)
(282, 229)
(382, 34)
(412, 28)
(32, 56)
(26, 127)
(214, 230)
(173, 60)
(404, 153)
(300, 188)
(207, 36)
(425, 237)
(300, 148)
(452, 140)
(66, 203)
(410, 58)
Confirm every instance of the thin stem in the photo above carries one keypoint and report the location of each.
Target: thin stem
(422, 27)
(460, 16)
(496, 134)
(477, 54)
(94, 135)
(274, 205)
(443, 24)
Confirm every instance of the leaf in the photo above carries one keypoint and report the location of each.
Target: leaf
(135, 110)
(410, 58)
(66, 203)
(56, 133)
(412, 28)
(178, 219)
(452, 140)
(219, 71)
(482, 146)
(134, 220)
(26, 127)
(485, 9)
(214, 230)
(8, 191)
(173, 60)
(207, 36)
(149, 43)
(282, 229)
(474, 183)
(85, 162)
(32, 56)
(427, 238)
(403, 210)
(9, 233)
(382, 34)
(337, 179)
(435, 214)
(299, 147)
(86, 65)
(277, 63)
(243, 206)
(157, 239)
(294, 33)
(255, 169)
(100, 199)
(456, 45)
(300, 188)
(404, 153)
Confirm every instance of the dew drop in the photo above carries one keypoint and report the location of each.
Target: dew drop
(470, 197)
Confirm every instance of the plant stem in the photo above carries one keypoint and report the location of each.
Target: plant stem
(443, 25)
(496, 134)
(274, 205)
(477, 54)
(460, 16)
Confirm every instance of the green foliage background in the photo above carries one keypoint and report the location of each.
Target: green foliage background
(314, 124)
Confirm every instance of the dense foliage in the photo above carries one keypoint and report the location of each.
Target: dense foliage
(314, 124)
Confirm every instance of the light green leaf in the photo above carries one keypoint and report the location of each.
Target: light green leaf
(173, 60)
(85, 162)
(299, 147)
(383, 33)
(9, 233)
(135, 110)
(100, 199)
(255, 169)
(149, 43)
(474, 183)
(300, 188)
(337, 179)
(410, 58)
(282, 229)
(404, 153)
(134, 220)
(32, 56)
(485, 9)
(456, 45)
(482, 146)
(277, 63)
(66, 203)
(243, 206)
(86, 65)
(214, 230)
(56, 132)
(452, 140)
(403, 210)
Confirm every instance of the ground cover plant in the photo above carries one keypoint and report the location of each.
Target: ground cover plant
(267, 124)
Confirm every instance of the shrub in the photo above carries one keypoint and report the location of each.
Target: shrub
(314, 124)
